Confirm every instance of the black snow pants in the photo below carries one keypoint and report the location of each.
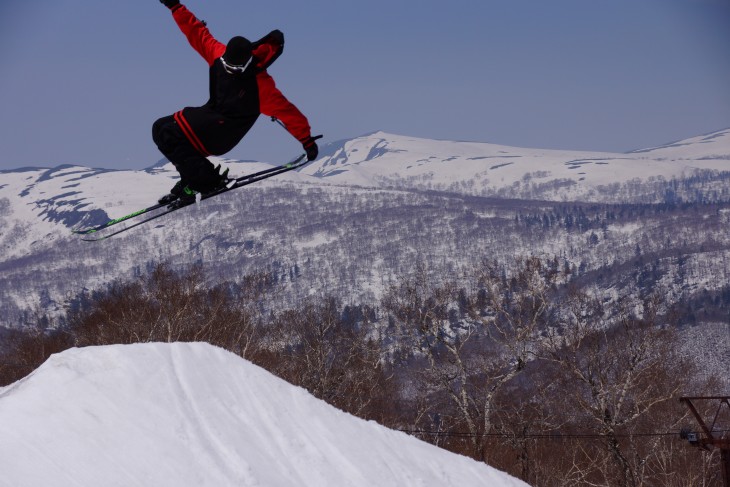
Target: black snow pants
(196, 171)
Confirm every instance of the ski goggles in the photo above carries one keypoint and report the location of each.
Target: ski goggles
(233, 68)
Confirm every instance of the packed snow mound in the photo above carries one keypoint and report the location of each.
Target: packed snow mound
(195, 415)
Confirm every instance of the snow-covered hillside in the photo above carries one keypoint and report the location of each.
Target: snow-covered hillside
(37, 205)
(34, 201)
(195, 415)
(361, 207)
(496, 170)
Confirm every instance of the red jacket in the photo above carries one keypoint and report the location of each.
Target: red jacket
(235, 101)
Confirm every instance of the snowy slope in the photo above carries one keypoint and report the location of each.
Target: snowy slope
(714, 146)
(490, 169)
(195, 415)
(40, 205)
(36, 205)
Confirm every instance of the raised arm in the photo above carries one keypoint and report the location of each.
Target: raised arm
(195, 31)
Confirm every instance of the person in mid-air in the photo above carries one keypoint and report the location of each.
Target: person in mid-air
(240, 90)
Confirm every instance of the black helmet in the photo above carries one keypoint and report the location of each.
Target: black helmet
(238, 54)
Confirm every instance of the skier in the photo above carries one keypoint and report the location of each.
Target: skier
(240, 90)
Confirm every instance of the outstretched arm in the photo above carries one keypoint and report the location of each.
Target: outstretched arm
(196, 32)
(274, 104)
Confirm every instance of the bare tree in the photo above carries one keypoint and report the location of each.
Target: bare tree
(22, 351)
(168, 306)
(621, 381)
(336, 361)
(475, 342)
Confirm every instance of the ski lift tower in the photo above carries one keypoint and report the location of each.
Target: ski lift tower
(712, 435)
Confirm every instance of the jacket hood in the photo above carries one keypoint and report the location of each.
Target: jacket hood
(267, 49)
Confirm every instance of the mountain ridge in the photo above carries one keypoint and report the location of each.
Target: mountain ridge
(495, 169)
(383, 160)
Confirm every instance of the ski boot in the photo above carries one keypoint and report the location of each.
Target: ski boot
(180, 193)
(220, 181)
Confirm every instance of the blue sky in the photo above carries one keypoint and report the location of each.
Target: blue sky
(82, 81)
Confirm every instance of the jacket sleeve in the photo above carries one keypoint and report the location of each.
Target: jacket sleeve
(198, 34)
(274, 104)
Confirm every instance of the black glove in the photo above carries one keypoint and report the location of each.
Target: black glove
(170, 3)
(311, 147)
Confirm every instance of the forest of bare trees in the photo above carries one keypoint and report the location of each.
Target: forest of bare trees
(511, 365)
(352, 242)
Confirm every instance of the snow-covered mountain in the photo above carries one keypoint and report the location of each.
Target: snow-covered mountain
(495, 170)
(38, 204)
(379, 159)
(367, 210)
(195, 415)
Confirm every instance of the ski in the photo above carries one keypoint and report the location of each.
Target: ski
(97, 233)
